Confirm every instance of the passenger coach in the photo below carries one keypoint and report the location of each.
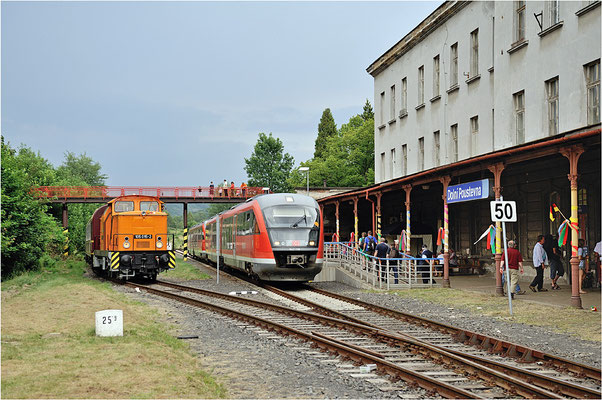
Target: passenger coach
(274, 237)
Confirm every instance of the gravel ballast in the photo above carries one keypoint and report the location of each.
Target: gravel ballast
(253, 363)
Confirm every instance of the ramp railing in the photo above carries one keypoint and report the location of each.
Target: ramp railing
(382, 273)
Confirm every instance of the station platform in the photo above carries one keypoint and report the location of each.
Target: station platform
(562, 297)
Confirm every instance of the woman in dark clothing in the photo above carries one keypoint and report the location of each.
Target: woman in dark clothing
(554, 255)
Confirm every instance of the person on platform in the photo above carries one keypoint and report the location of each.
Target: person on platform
(380, 252)
(515, 262)
(553, 253)
(211, 189)
(453, 258)
(369, 246)
(583, 267)
(360, 246)
(440, 262)
(394, 253)
(539, 260)
(225, 188)
(598, 254)
(243, 189)
(425, 264)
(232, 189)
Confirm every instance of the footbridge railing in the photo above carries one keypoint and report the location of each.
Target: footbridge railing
(382, 273)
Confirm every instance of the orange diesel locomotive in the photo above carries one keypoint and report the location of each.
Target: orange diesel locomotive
(127, 237)
(275, 237)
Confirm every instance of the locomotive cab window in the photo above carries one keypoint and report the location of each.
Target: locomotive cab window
(149, 206)
(124, 206)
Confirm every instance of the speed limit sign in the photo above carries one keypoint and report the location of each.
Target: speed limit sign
(503, 211)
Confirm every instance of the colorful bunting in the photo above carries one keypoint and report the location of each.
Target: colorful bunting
(551, 214)
(402, 241)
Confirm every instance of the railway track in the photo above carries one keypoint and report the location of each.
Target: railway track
(558, 375)
(417, 363)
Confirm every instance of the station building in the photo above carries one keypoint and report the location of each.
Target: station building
(507, 92)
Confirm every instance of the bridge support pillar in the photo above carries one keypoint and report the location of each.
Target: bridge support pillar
(66, 230)
(185, 234)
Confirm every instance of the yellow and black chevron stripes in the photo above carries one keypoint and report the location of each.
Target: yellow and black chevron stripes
(185, 244)
(172, 259)
(66, 246)
(115, 260)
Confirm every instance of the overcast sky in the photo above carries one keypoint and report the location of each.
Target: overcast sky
(175, 93)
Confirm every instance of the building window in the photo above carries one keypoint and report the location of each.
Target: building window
(519, 114)
(392, 101)
(381, 113)
(436, 76)
(552, 99)
(421, 85)
(552, 9)
(393, 161)
(453, 62)
(454, 142)
(592, 81)
(404, 96)
(474, 53)
(519, 20)
(382, 166)
(437, 149)
(421, 154)
(404, 157)
(474, 133)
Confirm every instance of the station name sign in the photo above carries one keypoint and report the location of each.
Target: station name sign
(476, 190)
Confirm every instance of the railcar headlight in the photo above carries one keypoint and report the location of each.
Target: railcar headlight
(159, 244)
(276, 243)
(312, 243)
(126, 244)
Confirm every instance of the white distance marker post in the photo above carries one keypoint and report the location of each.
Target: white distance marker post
(504, 211)
(109, 323)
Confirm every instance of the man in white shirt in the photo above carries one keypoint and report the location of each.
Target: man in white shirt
(539, 259)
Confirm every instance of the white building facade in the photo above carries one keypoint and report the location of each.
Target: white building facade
(479, 77)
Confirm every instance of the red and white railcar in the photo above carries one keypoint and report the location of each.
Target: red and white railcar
(276, 237)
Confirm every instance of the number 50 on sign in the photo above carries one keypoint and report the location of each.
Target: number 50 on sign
(503, 211)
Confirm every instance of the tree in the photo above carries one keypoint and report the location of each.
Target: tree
(347, 159)
(326, 129)
(368, 111)
(80, 170)
(269, 166)
(27, 232)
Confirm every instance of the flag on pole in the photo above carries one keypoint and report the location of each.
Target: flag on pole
(483, 235)
(440, 236)
(551, 214)
(402, 241)
(491, 241)
(555, 207)
(563, 233)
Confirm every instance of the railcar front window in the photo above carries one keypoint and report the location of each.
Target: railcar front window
(124, 206)
(291, 216)
(149, 206)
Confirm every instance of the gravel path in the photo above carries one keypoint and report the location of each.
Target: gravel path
(256, 364)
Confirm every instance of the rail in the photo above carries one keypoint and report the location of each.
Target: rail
(382, 273)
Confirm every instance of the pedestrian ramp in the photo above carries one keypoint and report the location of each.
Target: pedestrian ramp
(347, 264)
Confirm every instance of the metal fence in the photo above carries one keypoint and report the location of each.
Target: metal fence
(382, 273)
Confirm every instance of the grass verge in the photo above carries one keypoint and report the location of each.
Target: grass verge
(185, 271)
(50, 350)
(583, 324)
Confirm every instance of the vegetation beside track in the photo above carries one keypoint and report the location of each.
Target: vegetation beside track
(50, 350)
(583, 324)
(184, 271)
